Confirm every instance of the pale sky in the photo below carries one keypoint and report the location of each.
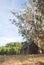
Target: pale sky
(8, 31)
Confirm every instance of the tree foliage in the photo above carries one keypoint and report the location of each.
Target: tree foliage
(12, 48)
(41, 6)
(30, 21)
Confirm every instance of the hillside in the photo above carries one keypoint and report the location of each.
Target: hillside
(22, 60)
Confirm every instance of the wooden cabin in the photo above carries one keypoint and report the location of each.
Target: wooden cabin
(30, 48)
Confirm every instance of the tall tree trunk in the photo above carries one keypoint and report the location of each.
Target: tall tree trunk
(39, 46)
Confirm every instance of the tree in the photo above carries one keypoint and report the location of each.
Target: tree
(30, 21)
(41, 6)
(2, 51)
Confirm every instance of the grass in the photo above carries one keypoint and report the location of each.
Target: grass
(22, 60)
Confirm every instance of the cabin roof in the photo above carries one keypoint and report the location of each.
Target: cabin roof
(28, 44)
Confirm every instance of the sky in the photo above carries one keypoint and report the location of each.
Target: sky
(8, 31)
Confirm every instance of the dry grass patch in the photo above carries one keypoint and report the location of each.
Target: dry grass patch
(22, 60)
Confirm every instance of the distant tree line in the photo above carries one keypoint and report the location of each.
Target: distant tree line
(12, 48)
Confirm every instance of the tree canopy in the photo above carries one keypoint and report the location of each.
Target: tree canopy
(30, 20)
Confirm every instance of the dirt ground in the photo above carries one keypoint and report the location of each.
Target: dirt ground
(22, 60)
